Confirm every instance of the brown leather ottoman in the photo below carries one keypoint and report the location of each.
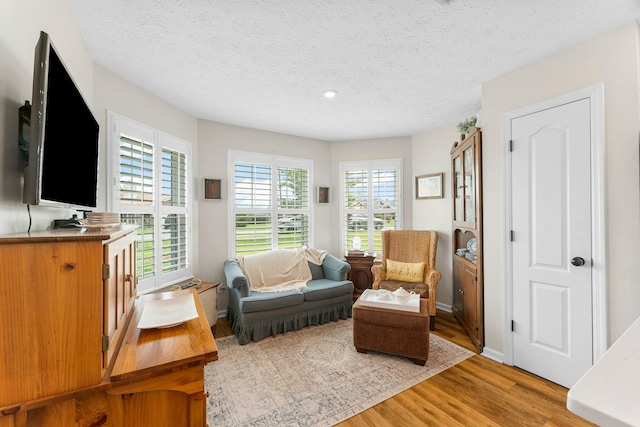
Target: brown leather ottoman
(399, 332)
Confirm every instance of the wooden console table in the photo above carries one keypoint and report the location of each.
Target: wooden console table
(158, 376)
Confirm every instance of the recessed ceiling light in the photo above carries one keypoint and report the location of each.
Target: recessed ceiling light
(330, 93)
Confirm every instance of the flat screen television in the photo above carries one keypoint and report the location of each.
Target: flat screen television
(62, 168)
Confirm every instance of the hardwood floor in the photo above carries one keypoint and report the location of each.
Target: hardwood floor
(475, 392)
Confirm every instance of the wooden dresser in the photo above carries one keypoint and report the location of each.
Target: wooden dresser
(70, 351)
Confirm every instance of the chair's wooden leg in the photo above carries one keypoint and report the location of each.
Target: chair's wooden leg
(432, 323)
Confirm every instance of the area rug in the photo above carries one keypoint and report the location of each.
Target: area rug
(311, 377)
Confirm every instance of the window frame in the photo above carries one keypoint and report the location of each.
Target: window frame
(118, 125)
(369, 166)
(275, 162)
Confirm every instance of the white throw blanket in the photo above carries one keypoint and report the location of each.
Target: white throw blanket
(280, 269)
(315, 256)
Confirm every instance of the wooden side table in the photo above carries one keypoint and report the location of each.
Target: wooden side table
(208, 294)
(360, 273)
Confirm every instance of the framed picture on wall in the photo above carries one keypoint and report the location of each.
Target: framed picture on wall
(430, 186)
(323, 195)
(212, 189)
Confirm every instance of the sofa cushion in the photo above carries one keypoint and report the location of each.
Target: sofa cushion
(264, 301)
(325, 288)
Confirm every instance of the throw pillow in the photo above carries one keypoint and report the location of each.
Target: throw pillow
(405, 271)
(316, 271)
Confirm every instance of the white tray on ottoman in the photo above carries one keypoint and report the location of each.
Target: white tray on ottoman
(384, 299)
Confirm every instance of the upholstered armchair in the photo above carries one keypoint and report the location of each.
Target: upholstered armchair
(409, 261)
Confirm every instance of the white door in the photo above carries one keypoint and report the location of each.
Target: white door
(551, 242)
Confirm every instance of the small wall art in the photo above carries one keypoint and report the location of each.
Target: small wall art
(212, 189)
(430, 186)
(323, 195)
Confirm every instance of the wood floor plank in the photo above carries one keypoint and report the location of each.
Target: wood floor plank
(449, 404)
(475, 392)
(400, 415)
(370, 417)
(426, 412)
(495, 404)
(475, 367)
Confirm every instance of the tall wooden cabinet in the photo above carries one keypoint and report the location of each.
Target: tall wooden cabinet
(468, 288)
(66, 300)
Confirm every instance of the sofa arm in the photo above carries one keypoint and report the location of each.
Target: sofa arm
(236, 278)
(334, 268)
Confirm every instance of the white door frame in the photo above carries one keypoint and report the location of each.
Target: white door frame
(595, 94)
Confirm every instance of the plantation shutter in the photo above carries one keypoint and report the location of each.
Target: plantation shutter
(253, 208)
(174, 218)
(271, 203)
(370, 197)
(385, 203)
(150, 176)
(293, 207)
(136, 172)
(137, 190)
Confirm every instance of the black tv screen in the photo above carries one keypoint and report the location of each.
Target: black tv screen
(63, 154)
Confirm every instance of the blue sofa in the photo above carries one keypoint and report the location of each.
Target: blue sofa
(256, 315)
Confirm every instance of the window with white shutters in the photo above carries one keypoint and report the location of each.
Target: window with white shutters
(150, 191)
(271, 204)
(371, 202)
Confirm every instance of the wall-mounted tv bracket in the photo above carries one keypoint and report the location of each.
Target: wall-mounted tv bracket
(24, 118)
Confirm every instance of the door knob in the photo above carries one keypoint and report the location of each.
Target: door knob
(578, 261)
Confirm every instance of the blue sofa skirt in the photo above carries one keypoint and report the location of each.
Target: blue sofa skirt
(261, 324)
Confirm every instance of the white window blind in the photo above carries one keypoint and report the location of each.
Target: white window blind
(271, 203)
(174, 203)
(371, 202)
(150, 191)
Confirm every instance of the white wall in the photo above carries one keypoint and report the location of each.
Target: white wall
(431, 154)
(214, 141)
(370, 149)
(20, 26)
(113, 93)
(612, 59)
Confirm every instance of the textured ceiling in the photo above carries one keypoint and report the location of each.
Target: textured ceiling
(400, 66)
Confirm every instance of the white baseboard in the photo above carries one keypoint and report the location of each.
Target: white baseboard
(444, 307)
(496, 356)
(489, 353)
(222, 314)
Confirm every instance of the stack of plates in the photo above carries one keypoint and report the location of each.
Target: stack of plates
(101, 220)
